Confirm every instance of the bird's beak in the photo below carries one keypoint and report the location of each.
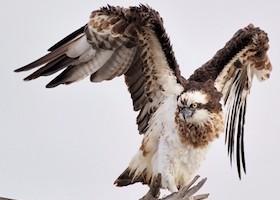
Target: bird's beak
(186, 112)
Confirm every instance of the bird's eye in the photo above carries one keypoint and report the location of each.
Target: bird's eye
(193, 105)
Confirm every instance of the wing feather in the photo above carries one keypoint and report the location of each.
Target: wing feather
(118, 41)
(51, 67)
(68, 38)
(78, 72)
(116, 65)
(43, 60)
(240, 155)
(232, 69)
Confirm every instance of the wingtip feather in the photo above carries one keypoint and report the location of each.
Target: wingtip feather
(18, 70)
(28, 78)
(25, 68)
(68, 38)
(52, 84)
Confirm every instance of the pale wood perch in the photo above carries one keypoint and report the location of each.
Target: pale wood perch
(186, 193)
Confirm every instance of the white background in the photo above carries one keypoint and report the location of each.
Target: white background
(70, 143)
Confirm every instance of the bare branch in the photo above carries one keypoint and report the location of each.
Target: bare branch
(185, 193)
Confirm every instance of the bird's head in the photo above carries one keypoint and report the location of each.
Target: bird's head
(199, 102)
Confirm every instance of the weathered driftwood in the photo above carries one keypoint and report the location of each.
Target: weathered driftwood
(185, 193)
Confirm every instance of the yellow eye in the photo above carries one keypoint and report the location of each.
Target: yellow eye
(193, 105)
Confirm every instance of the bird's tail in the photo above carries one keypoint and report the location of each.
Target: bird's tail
(137, 171)
(128, 177)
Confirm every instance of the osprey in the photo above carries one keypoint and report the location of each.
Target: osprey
(178, 117)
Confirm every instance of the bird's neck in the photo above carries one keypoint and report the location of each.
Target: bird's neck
(200, 135)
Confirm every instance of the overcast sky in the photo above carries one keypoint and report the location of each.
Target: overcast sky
(72, 142)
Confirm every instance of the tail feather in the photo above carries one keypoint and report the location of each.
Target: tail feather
(128, 177)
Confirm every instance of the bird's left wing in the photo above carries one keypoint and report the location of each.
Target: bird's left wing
(232, 70)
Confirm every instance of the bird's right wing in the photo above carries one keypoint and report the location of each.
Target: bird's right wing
(117, 41)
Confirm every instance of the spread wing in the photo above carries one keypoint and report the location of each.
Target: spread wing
(232, 69)
(117, 41)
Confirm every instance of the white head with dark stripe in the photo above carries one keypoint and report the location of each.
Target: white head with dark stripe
(197, 103)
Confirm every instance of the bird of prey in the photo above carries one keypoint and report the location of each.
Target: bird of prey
(179, 118)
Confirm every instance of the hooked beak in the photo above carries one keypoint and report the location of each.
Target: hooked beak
(186, 112)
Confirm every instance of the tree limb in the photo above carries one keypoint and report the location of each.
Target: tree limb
(185, 193)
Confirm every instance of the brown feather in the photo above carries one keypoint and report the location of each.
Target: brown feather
(229, 69)
(119, 61)
(68, 38)
(51, 68)
(47, 58)
(127, 178)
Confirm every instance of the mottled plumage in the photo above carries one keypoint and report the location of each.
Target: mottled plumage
(178, 117)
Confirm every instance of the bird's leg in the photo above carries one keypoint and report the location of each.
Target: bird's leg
(170, 182)
(185, 193)
(164, 164)
(155, 186)
(154, 192)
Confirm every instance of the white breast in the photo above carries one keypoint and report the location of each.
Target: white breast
(188, 161)
(175, 160)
